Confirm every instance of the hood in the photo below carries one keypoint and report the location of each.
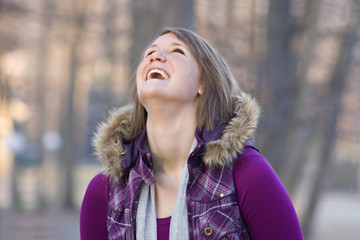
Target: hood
(220, 152)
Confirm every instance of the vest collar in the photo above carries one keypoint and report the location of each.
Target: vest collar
(222, 144)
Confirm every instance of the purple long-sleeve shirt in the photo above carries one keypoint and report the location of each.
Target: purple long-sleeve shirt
(263, 201)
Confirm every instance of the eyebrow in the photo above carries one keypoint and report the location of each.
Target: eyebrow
(172, 44)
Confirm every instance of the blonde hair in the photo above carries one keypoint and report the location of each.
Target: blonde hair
(219, 86)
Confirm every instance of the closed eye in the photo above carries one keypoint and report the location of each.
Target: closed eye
(178, 50)
(149, 53)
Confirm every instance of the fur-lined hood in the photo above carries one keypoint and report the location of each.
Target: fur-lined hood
(220, 152)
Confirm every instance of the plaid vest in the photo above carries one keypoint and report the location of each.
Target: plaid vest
(213, 211)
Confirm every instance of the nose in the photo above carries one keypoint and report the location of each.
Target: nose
(157, 56)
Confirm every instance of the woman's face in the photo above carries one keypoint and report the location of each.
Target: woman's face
(168, 71)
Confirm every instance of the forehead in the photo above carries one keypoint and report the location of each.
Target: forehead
(167, 39)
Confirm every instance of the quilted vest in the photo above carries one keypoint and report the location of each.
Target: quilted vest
(212, 207)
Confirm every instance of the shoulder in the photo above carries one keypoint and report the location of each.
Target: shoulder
(94, 209)
(255, 178)
(97, 191)
(99, 182)
(251, 163)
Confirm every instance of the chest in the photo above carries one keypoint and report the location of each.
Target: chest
(165, 196)
(213, 212)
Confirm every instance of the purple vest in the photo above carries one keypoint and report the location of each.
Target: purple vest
(212, 206)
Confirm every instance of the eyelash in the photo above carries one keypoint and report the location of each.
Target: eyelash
(149, 53)
(177, 50)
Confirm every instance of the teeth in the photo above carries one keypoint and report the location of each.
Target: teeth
(158, 71)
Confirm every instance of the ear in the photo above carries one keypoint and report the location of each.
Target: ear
(201, 89)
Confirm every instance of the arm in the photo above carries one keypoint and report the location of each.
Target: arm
(93, 215)
(263, 200)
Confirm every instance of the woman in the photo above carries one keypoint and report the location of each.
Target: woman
(179, 163)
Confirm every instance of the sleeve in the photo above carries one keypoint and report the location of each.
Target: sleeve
(93, 214)
(263, 200)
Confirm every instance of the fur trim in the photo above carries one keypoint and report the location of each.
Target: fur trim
(240, 129)
(107, 140)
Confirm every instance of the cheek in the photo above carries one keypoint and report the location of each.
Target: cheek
(197, 77)
(138, 83)
(139, 74)
(141, 68)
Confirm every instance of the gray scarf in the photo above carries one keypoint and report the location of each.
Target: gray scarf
(146, 227)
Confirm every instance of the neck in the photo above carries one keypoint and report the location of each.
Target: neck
(170, 137)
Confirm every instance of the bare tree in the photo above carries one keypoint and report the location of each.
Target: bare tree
(300, 127)
(40, 88)
(77, 29)
(331, 105)
(276, 86)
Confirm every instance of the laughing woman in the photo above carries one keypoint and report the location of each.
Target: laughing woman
(179, 163)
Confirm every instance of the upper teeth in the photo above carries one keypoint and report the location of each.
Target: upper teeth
(161, 72)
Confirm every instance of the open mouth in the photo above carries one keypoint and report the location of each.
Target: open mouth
(157, 74)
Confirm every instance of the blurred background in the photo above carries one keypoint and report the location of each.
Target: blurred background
(65, 64)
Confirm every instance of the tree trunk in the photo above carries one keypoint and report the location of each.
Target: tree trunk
(300, 126)
(40, 90)
(275, 81)
(77, 29)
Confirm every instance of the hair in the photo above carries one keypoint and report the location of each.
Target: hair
(219, 85)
